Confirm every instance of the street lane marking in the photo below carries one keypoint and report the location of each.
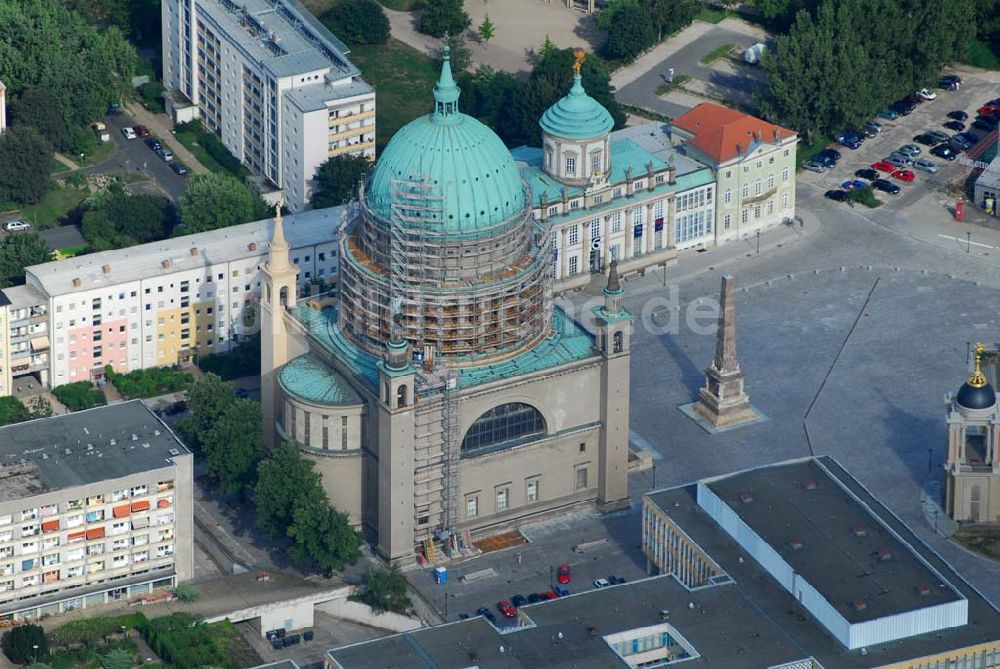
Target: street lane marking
(966, 241)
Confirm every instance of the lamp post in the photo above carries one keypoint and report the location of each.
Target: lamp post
(34, 656)
(968, 242)
(551, 571)
(758, 242)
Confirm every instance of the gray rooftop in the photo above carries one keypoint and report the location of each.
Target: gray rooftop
(76, 449)
(215, 246)
(814, 525)
(990, 177)
(314, 97)
(281, 35)
(655, 138)
(22, 296)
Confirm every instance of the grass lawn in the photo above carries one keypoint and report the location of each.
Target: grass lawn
(102, 151)
(984, 542)
(52, 209)
(189, 138)
(715, 54)
(403, 79)
(57, 167)
(983, 54)
(679, 81)
(711, 14)
(805, 152)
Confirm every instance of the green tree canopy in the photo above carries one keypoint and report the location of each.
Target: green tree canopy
(215, 200)
(207, 399)
(19, 643)
(323, 536)
(43, 109)
(12, 411)
(360, 21)
(460, 55)
(385, 590)
(18, 251)
(233, 446)
(117, 219)
(669, 16)
(630, 31)
(336, 180)
(444, 16)
(282, 479)
(25, 161)
(486, 30)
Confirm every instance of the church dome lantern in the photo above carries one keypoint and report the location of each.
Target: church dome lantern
(976, 394)
(575, 134)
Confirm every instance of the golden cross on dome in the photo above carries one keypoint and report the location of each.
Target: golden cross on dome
(977, 379)
(578, 55)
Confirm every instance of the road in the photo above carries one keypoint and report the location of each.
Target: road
(134, 155)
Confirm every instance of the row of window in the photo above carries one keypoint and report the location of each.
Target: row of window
(93, 500)
(532, 493)
(94, 567)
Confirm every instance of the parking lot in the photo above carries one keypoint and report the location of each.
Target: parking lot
(930, 115)
(134, 156)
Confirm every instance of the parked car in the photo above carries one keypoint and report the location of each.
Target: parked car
(616, 580)
(563, 574)
(853, 184)
(561, 591)
(836, 195)
(960, 143)
(943, 151)
(165, 154)
(506, 608)
(828, 157)
(16, 225)
(549, 594)
(925, 165)
(518, 601)
(986, 123)
(957, 126)
(905, 107)
(813, 166)
(958, 115)
(899, 161)
(927, 94)
(888, 114)
(938, 135)
(970, 136)
(915, 99)
(174, 408)
(534, 598)
(153, 144)
(115, 108)
(874, 125)
(142, 131)
(178, 168)
(601, 583)
(128, 133)
(989, 109)
(883, 166)
(486, 613)
(904, 175)
(951, 77)
(885, 186)
(926, 139)
(909, 150)
(867, 173)
(948, 85)
(850, 140)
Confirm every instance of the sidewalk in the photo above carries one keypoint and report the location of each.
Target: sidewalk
(66, 161)
(624, 76)
(161, 127)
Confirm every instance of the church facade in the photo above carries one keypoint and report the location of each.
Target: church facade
(440, 391)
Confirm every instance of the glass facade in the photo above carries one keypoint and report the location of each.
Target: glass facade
(504, 425)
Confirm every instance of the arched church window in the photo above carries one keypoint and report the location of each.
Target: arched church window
(619, 342)
(283, 296)
(504, 425)
(401, 398)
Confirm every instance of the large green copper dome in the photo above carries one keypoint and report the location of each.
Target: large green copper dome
(577, 115)
(479, 184)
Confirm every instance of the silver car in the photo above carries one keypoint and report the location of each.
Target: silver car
(925, 165)
(899, 160)
(814, 166)
(911, 150)
(874, 126)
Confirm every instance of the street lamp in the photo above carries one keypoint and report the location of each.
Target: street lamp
(758, 242)
(34, 657)
(551, 571)
(968, 242)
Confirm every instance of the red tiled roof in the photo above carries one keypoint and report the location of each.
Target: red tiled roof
(723, 133)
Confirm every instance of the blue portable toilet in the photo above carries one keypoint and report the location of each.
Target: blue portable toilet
(440, 575)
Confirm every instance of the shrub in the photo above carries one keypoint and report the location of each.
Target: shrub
(19, 644)
(185, 640)
(152, 97)
(360, 21)
(12, 411)
(244, 360)
(79, 395)
(149, 382)
(186, 593)
(215, 148)
(92, 630)
(385, 590)
(444, 16)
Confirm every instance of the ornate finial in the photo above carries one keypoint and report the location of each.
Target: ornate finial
(977, 379)
(277, 209)
(578, 56)
(446, 90)
(614, 285)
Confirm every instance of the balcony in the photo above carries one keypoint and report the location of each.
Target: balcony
(351, 148)
(351, 132)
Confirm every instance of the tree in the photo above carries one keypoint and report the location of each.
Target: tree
(43, 109)
(207, 399)
(25, 161)
(630, 32)
(336, 180)
(282, 479)
(385, 590)
(486, 30)
(233, 446)
(117, 219)
(669, 16)
(460, 55)
(18, 251)
(12, 411)
(323, 536)
(119, 658)
(216, 200)
(359, 21)
(444, 16)
(547, 49)
(39, 407)
(19, 644)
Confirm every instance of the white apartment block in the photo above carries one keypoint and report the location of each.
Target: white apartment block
(95, 506)
(151, 305)
(272, 82)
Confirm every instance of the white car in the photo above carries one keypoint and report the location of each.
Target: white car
(926, 94)
(925, 165)
(15, 226)
(129, 133)
(601, 583)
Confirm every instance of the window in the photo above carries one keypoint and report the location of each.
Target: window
(756, 211)
(503, 495)
(570, 166)
(616, 222)
(745, 215)
(784, 201)
(727, 197)
(770, 181)
(784, 174)
(729, 173)
(471, 507)
(595, 163)
(531, 492)
(581, 478)
(757, 187)
(506, 424)
(574, 235)
(727, 222)
(574, 265)
(746, 190)
(595, 229)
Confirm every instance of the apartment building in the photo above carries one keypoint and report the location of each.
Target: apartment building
(272, 82)
(95, 506)
(151, 305)
(754, 163)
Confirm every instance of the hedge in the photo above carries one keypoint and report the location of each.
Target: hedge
(79, 395)
(150, 382)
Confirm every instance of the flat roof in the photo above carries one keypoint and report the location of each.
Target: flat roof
(990, 177)
(315, 96)
(808, 518)
(134, 263)
(281, 36)
(22, 296)
(83, 447)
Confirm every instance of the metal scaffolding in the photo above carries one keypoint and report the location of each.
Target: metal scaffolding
(450, 454)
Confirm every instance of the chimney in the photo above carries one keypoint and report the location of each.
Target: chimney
(3, 107)
(194, 252)
(106, 269)
(739, 148)
(76, 283)
(777, 135)
(252, 246)
(165, 264)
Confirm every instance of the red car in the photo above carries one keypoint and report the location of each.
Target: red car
(142, 131)
(883, 166)
(904, 175)
(562, 575)
(989, 109)
(506, 608)
(549, 595)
